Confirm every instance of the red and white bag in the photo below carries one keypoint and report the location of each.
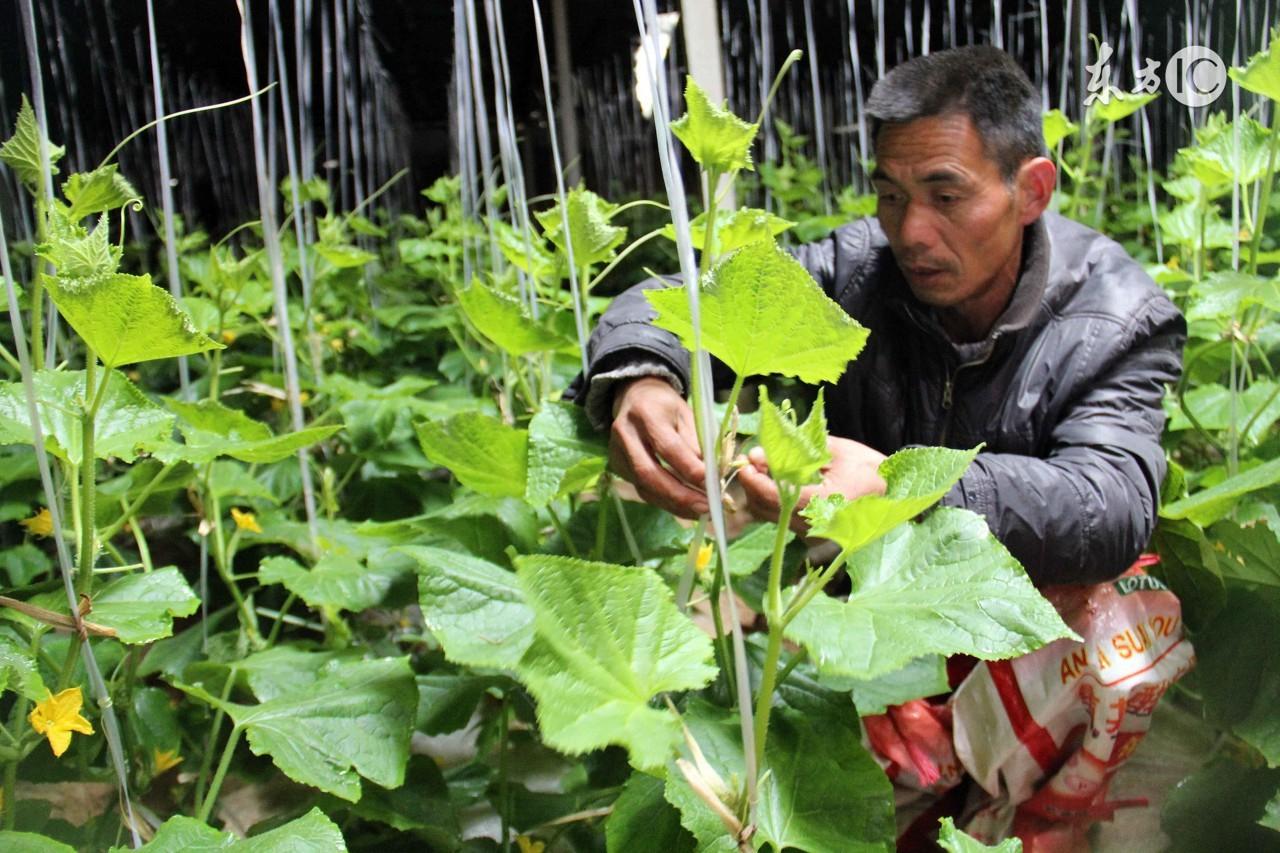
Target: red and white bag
(1043, 734)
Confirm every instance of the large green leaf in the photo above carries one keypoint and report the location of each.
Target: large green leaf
(716, 138)
(1118, 106)
(924, 676)
(593, 238)
(311, 833)
(608, 640)
(31, 842)
(1225, 293)
(1216, 161)
(474, 608)
(336, 581)
(505, 321)
(753, 547)
(482, 452)
(943, 586)
(128, 423)
(1218, 807)
(915, 479)
(355, 718)
(21, 152)
(95, 192)
(955, 841)
(565, 452)
(1211, 406)
(642, 821)
(1252, 552)
(1262, 74)
(821, 790)
(211, 430)
(762, 313)
(127, 319)
(1211, 504)
(796, 452)
(1239, 670)
(734, 228)
(1057, 127)
(141, 606)
(718, 734)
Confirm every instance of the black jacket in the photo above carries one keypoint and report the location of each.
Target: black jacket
(1065, 391)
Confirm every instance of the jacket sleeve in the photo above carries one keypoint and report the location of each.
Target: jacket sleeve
(625, 343)
(1084, 512)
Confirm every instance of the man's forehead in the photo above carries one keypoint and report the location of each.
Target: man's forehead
(933, 150)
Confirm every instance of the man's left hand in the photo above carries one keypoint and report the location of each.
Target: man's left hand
(852, 472)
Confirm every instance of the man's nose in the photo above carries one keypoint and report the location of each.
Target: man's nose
(917, 228)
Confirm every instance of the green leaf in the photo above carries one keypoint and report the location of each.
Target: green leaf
(717, 139)
(796, 453)
(81, 256)
(734, 228)
(484, 453)
(1271, 815)
(1218, 807)
(1224, 294)
(127, 319)
(1211, 504)
(642, 821)
(1262, 73)
(1211, 405)
(141, 606)
(955, 841)
(1120, 105)
(1239, 670)
(421, 806)
(608, 640)
(1057, 127)
(212, 430)
(19, 673)
(101, 190)
(943, 586)
(506, 323)
(593, 239)
(1215, 160)
(718, 734)
(1181, 225)
(565, 453)
(1252, 552)
(1191, 568)
(311, 833)
(924, 676)
(753, 547)
(128, 423)
(343, 256)
(474, 608)
(31, 842)
(915, 478)
(284, 669)
(763, 313)
(821, 790)
(356, 718)
(335, 581)
(21, 152)
(447, 702)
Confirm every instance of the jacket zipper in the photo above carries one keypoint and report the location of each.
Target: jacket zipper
(948, 392)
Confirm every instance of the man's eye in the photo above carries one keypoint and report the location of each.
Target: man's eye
(888, 197)
(947, 198)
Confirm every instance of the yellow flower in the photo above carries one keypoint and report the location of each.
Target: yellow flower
(704, 556)
(58, 716)
(40, 524)
(165, 759)
(528, 845)
(246, 521)
(337, 344)
(228, 336)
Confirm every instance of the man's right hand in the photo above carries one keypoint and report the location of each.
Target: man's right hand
(653, 443)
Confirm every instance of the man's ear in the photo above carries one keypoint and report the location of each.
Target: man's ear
(1035, 182)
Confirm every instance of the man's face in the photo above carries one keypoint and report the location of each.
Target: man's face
(954, 225)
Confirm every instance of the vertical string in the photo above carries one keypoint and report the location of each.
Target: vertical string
(646, 20)
(271, 239)
(166, 186)
(579, 318)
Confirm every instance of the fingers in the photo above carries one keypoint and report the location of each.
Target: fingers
(761, 492)
(637, 458)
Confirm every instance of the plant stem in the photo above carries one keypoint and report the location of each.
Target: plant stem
(10, 800)
(88, 477)
(788, 497)
(602, 518)
(207, 806)
(220, 561)
(1264, 200)
(563, 531)
(37, 289)
(116, 526)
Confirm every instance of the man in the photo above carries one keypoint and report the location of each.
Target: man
(992, 321)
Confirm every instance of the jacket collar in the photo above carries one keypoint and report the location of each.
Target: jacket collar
(1023, 308)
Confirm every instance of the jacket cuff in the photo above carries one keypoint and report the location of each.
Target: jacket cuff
(599, 401)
